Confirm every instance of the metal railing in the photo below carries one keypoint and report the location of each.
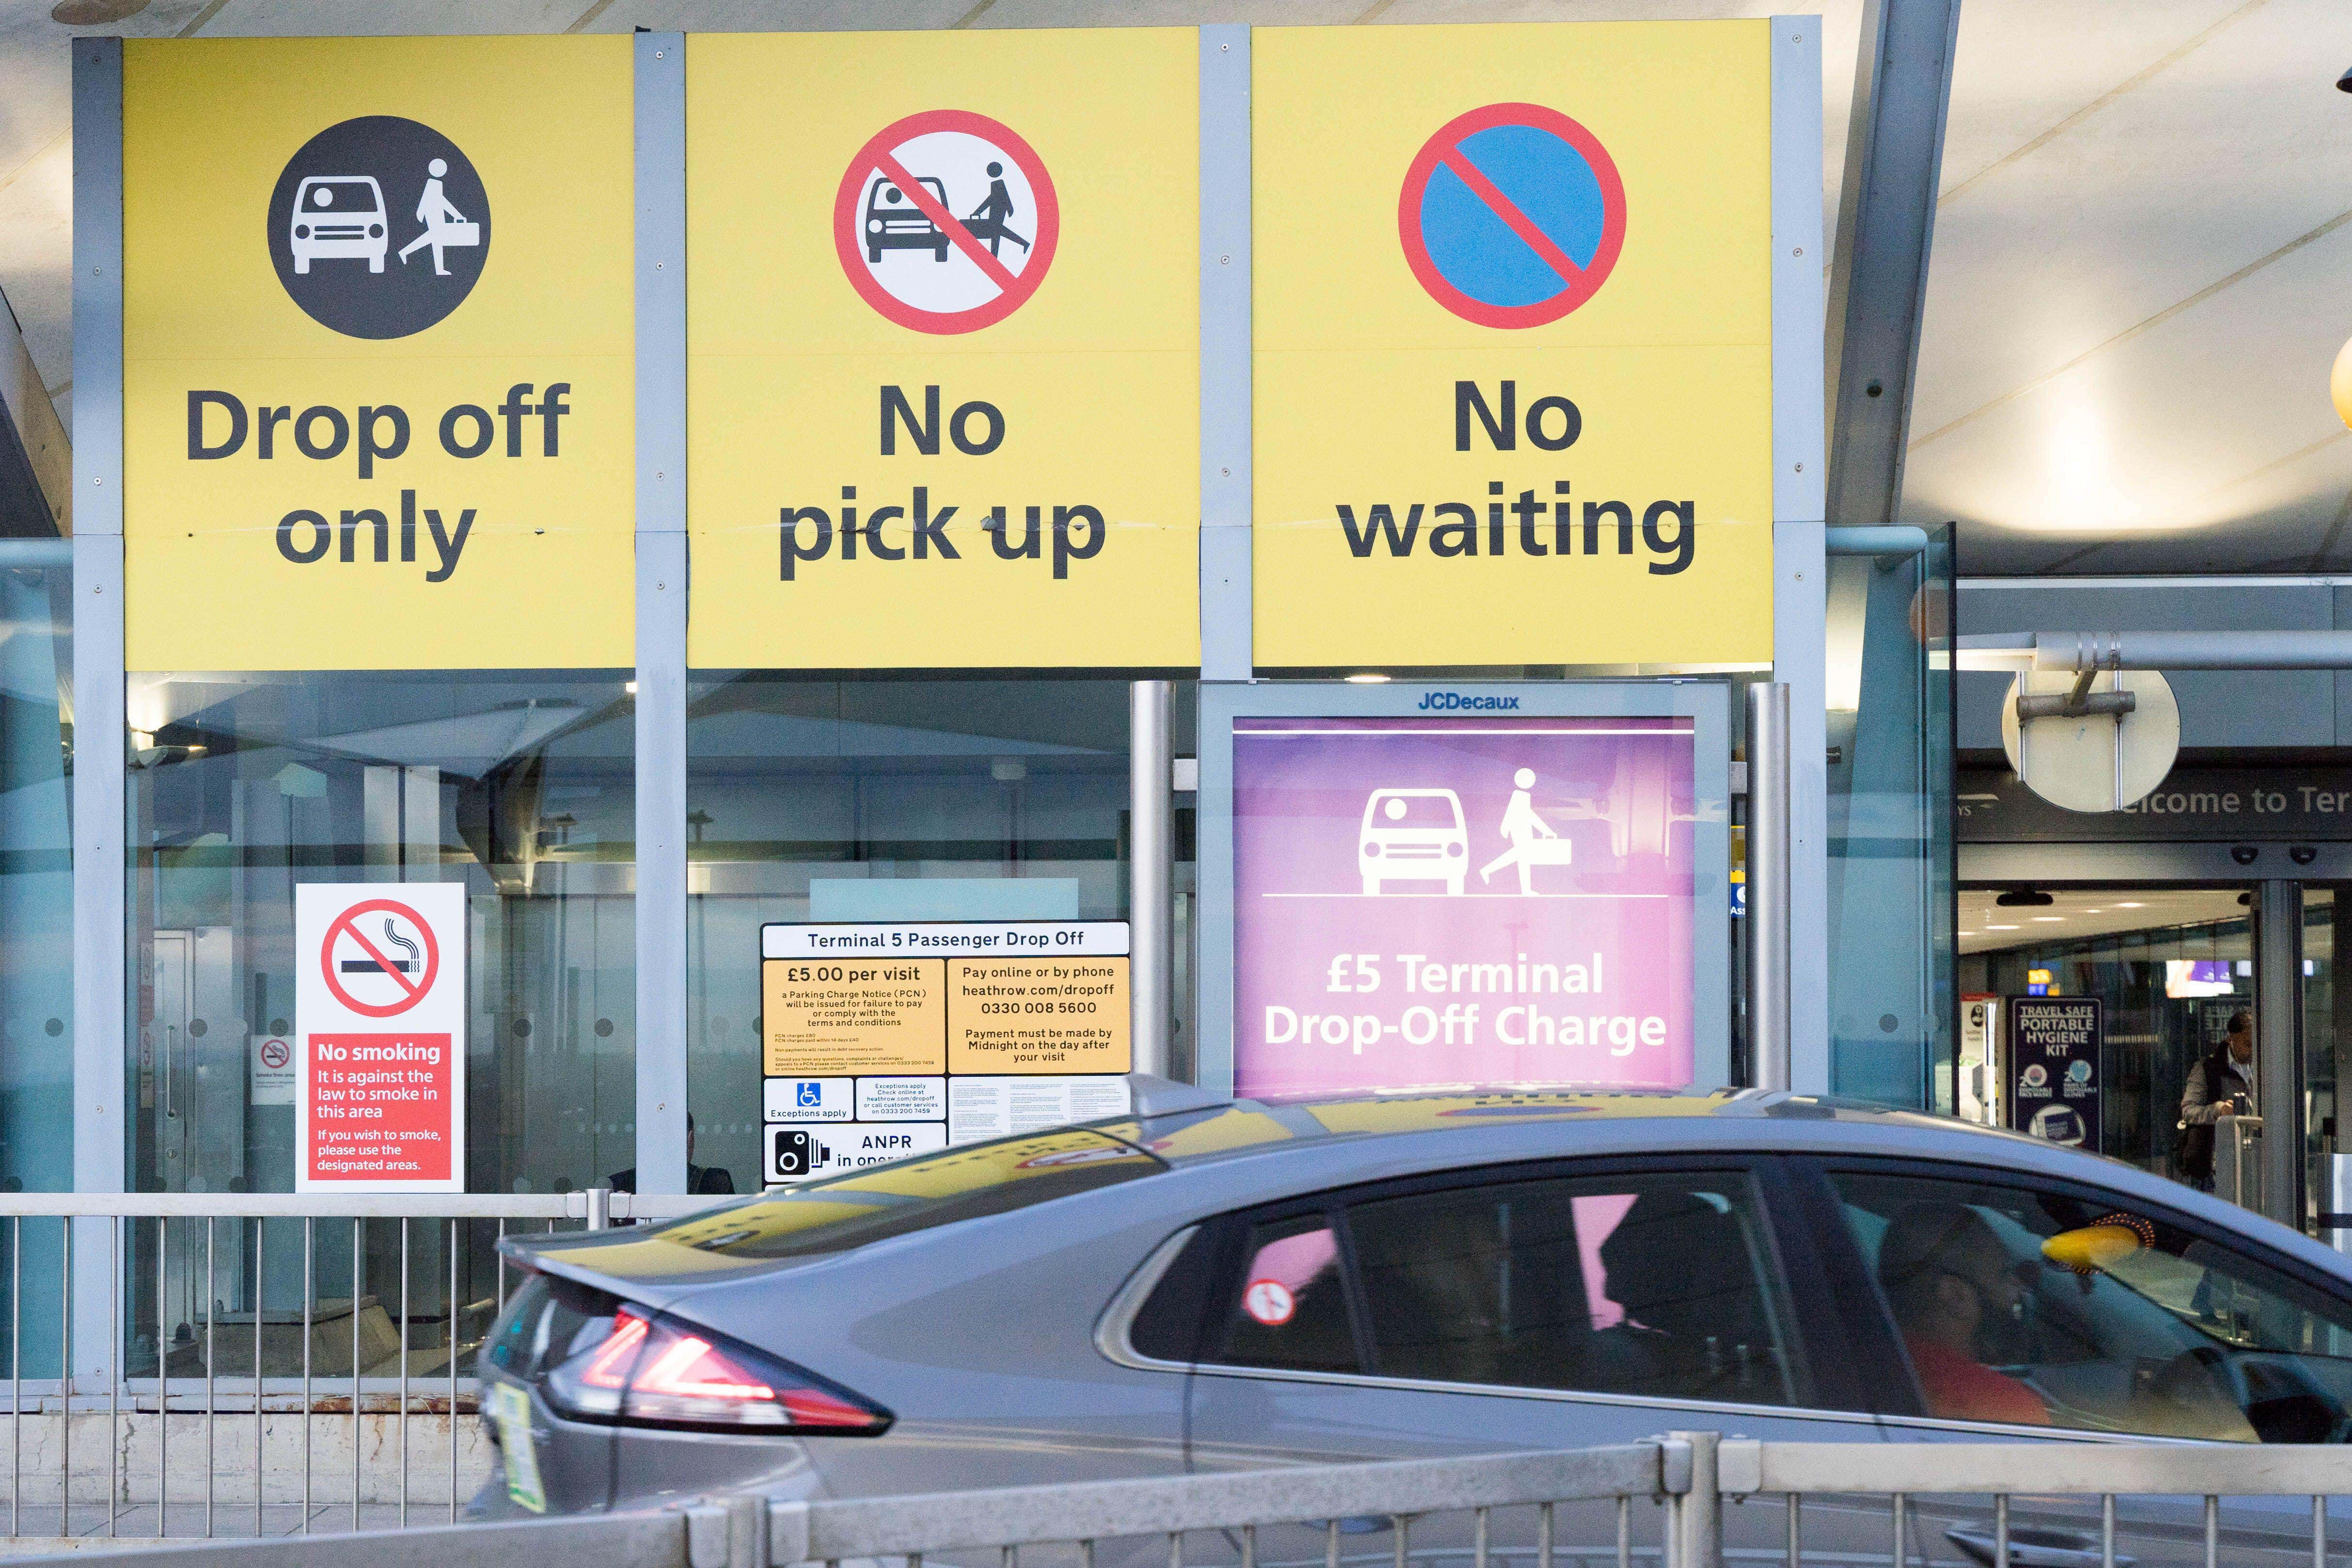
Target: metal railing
(183, 1363)
(1486, 1512)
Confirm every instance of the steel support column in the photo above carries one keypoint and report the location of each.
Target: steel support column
(1886, 223)
(2278, 1054)
(1151, 873)
(661, 612)
(1226, 543)
(1800, 656)
(1769, 1041)
(101, 1029)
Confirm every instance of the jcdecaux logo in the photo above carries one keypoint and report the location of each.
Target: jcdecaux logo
(1454, 701)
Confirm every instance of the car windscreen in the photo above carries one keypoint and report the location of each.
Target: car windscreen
(908, 1195)
(341, 195)
(1413, 811)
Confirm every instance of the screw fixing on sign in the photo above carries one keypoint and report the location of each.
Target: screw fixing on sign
(1512, 215)
(945, 221)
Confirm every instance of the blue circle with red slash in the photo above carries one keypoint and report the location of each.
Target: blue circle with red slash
(1512, 215)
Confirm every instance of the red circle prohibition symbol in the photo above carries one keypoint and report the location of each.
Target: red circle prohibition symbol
(346, 925)
(273, 1054)
(1443, 149)
(880, 156)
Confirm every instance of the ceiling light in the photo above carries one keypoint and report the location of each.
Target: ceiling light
(2049, 919)
(2131, 906)
(630, 687)
(2000, 928)
(1367, 680)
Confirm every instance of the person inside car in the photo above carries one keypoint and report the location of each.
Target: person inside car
(1949, 1282)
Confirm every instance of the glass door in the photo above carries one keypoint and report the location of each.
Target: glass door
(2169, 965)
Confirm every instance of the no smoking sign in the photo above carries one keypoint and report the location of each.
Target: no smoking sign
(380, 958)
(377, 1066)
(945, 221)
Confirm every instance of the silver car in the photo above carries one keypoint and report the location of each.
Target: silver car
(1216, 1285)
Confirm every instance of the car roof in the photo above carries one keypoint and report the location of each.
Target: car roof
(1395, 1134)
(1231, 1129)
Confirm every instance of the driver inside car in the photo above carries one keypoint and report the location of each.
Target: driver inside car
(1951, 1283)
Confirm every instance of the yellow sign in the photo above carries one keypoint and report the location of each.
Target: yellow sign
(378, 354)
(1008, 1016)
(1513, 344)
(846, 1016)
(943, 364)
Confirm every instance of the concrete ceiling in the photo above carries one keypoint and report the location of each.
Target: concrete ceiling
(2142, 268)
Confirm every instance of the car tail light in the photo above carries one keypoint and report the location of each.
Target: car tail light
(651, 1372)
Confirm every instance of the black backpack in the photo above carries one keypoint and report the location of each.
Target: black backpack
(2192, 1150)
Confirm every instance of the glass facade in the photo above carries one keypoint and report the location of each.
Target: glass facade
(908, 799)
(519, 785)
(37, 1121)
(1893, 1008)
(2169, 979)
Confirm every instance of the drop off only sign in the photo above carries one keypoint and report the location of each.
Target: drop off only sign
(378, 354)
(380, 1016)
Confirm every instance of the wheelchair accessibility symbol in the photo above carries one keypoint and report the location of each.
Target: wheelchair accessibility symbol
(945, 221)
(1512, 215)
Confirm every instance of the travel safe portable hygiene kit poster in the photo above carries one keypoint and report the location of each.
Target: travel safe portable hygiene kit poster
(1423, 902)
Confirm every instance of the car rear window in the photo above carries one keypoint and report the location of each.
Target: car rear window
(908, 1195)
(547, 1321)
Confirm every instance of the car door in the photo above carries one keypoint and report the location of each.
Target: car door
(2011, 1307)
(1552, 1306)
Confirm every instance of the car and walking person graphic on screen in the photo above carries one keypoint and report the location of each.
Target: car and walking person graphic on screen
(1418, 835)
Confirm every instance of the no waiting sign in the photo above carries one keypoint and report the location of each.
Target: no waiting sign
(1512, 215)
(380, 1037)
(945, 221)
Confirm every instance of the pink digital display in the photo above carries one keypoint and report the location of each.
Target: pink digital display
(1429, 903)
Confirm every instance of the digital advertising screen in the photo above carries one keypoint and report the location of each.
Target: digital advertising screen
(1432, 901)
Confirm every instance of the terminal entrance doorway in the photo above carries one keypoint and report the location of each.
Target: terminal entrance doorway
(2170, 967)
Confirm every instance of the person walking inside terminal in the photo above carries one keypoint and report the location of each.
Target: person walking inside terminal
(2217, 1087)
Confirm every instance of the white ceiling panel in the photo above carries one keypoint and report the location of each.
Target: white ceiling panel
(2131, 310)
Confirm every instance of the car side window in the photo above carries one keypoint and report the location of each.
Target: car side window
(2033, 1304)
(1289, 1305)
(1653, 1285)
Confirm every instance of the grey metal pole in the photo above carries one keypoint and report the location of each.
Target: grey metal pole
(1768, 884)
(2278, 1067)
(661, 597)
(1152, 872)
(1698, 1512)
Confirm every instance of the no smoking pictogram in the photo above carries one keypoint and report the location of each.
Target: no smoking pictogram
(380, 958)
(945, 221)
(1512, 215)
(276, 1053)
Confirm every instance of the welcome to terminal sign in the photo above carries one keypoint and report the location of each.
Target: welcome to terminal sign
(1512, 348)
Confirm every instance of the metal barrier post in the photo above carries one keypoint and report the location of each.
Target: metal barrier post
(1698, 1511)
(600, 1208)
(1151, 873)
